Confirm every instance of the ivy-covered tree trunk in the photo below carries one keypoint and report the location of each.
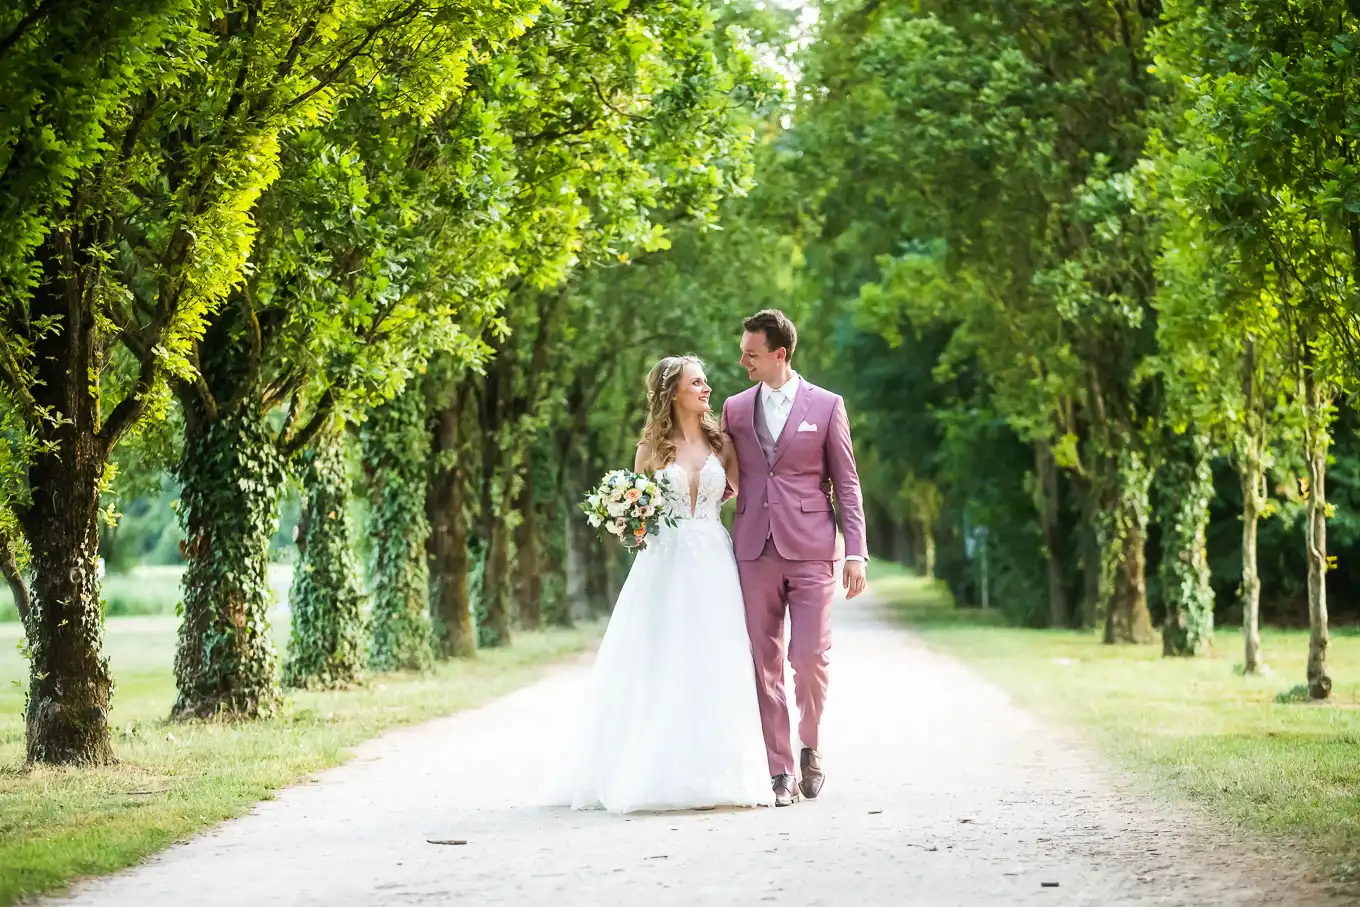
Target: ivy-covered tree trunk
(577, 540)
(326, 648)
(1046, 491)
(69, 684)
(928, 551)
(231, 473)
(528, 569)
(493, 627)
(1124, 535)
(1184, 569)
(1317, 416)
(450, 564)
(496, 599)
(557, 606)
(396, 449)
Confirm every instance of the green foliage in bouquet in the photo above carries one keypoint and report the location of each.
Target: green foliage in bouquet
(629, 506)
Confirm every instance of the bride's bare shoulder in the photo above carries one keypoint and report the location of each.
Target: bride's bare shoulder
(643, 458)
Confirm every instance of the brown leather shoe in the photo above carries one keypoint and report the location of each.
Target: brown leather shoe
(785, 791)
(813, 776)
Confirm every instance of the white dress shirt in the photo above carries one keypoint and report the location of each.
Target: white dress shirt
(778, 404)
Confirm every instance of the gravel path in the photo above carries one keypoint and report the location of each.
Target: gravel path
(939, 792)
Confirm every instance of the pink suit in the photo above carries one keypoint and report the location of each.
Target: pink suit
(785, 540)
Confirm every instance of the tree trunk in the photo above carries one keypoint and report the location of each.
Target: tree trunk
(928, 556)
(598, 598)
(529, 589)
(901, 551)
(494, 631)
(1252, 479)
(69, 684)
(450, 565)
(1184, 570)
(231, 475)
(578, 541)
(495, 597)
(615, 574)
(557, 606)
(396, 446)
(1127, 619)
(326, 649)
(1252, 470)
(1316, 417)
(1046, 491)
(1092, 567)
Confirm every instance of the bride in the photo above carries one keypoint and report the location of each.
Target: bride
(671, 720)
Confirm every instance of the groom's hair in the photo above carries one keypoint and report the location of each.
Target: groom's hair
(777, 328)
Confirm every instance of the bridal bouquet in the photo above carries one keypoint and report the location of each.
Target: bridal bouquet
(628, 506)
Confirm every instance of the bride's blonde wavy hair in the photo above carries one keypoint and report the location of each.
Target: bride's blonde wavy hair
(663, 382)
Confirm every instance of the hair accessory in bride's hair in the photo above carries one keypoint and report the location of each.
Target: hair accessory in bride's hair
(673, 365)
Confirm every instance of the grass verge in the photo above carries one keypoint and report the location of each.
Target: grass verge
(57, 825)
(146, 590)
(1192, 728)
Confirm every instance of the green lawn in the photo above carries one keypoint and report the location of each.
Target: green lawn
(56, 825)
(1190, 728)
(147, 590)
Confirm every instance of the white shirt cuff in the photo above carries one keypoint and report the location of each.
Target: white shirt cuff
(856, 557)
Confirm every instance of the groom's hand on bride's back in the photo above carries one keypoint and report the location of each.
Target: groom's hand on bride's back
(854, 578)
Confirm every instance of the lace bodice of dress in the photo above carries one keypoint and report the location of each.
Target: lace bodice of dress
(678, 488)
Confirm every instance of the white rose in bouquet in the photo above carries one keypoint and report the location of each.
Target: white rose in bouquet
(628, 506)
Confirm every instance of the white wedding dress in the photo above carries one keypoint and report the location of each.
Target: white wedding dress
(671, 720)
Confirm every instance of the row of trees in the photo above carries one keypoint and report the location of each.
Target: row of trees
(1096, 247)
(1085, 270)
(254, 240)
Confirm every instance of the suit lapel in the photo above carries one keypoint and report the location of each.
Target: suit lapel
(796, 416)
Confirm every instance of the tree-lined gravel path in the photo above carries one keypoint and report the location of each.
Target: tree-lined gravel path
(939, 792)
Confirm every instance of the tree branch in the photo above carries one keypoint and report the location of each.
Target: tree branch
(131, 407)
(12, 377)
(325, 408)
(238, 88)
(324, 81)
(41, 11)
(17, 587)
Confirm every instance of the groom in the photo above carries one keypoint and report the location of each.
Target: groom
(793, 447)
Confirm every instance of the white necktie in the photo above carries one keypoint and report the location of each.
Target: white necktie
(778, 413)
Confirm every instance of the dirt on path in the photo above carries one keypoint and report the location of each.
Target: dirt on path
(940, 791)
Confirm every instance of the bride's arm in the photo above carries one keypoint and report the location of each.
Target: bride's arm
(643, 459)
(729, 461)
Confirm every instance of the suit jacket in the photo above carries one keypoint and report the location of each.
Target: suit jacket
(784, 480)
